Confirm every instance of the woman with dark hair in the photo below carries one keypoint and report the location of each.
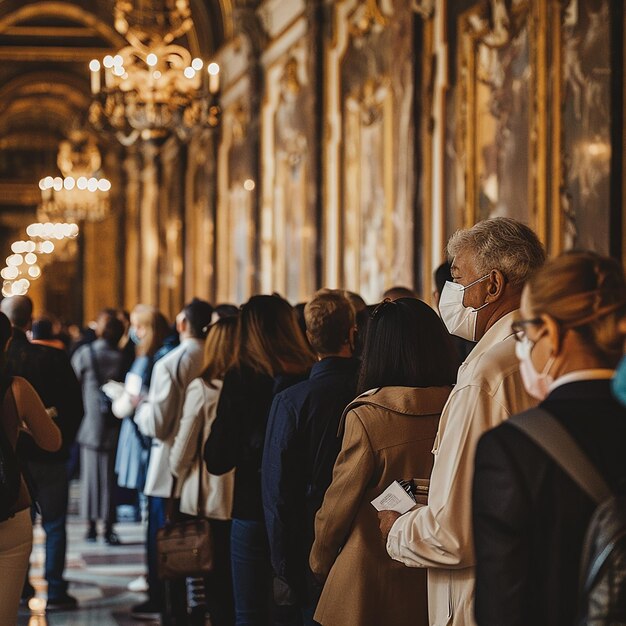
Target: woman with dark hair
(95, 364)
(408, 367)
(271, 354)
(22, 409)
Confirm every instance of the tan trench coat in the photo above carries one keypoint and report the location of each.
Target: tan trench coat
(389, 436)
(489, 389)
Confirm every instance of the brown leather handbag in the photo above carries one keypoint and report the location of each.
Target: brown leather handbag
(185, 548)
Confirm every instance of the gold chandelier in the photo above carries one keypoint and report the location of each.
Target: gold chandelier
(78, 195)
(153, 87)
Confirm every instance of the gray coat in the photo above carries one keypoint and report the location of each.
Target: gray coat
(96, 430)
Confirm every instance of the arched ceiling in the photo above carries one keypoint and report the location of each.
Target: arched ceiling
(45, 48)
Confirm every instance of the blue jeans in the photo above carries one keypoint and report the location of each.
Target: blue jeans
(51, 483)
(156, 520)
(250, 562)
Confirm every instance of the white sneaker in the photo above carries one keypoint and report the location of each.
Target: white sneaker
(139, 584)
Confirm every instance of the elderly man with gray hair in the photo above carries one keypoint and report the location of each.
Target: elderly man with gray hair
(490, 264)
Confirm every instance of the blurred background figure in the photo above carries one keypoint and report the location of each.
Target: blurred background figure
(95, 364)
(395, 293)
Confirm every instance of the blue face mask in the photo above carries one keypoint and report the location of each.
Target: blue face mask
(132, 335)
(618, 383)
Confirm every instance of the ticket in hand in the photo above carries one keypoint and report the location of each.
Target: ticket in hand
(394, 498)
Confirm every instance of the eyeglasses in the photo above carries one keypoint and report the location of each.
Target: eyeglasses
(518, 328)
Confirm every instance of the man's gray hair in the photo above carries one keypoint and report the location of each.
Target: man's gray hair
(500, 243)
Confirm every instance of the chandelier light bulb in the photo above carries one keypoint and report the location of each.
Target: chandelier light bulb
(48, 230)
(213, 69)
(48, 181)
(69, 183)
(16, 247)
(29, 246)
(59, 231)
(118, 70)
(118, 61)
(92, 184)
(152, 59)
(156, 75)
(32, 230)
(9, 273)
(94, 65)
(47, 247)
(15, 260)
(108, 61)
(249, 185)
(72, 230)
(30, 258)
(189, 72)
(58, 183)
(81, 183)
(104, 184)
(197, 64)
(42, 184)
(34, 271)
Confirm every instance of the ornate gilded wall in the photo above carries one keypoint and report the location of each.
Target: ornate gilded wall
(355, 137)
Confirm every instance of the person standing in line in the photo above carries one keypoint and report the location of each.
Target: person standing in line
(271, 355)
(20, 409)
(301, 446)
(491, 263)
(148, 332)
(530, 517)
(216, 492)
(50, 372)
(95, 364)
(406, 376)
(158, 417)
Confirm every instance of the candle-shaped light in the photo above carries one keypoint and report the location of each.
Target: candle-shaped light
(214, 77)
(94, 66)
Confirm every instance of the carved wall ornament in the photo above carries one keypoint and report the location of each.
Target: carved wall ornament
(424, 8)
(240, 117)
(290, 81)
(367, 18)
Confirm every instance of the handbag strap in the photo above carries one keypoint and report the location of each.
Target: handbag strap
(547, 432)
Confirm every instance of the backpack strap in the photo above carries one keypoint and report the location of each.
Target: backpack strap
(94, 364)
(546, 431)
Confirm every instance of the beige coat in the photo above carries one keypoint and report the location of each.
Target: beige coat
(186, 457)
(439, 536)
(388, 437)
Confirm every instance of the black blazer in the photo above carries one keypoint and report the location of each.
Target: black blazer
(238, 434)
(49, 371)
(530, 518)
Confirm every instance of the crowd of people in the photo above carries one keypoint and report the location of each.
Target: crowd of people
(281, 425)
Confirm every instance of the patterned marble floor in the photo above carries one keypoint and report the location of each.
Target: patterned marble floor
(98, 575)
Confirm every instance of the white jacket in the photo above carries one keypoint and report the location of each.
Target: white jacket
(186, 456)
(438, 536)
(158, 416)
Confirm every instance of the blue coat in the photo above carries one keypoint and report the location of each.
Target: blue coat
(301, 446)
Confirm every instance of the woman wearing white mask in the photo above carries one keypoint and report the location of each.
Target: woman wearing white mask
(530, 517)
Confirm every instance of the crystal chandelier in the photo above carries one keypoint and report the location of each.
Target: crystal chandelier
(152, 87)
(78, 195)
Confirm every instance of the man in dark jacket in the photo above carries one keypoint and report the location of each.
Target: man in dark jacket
(301, 446)
(49, 371)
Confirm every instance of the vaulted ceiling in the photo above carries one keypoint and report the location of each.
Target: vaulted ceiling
(45, 48)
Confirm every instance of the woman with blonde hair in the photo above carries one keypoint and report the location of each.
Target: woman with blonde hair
(271, 354)
(148, 330)
(530, 517)
(215, 492)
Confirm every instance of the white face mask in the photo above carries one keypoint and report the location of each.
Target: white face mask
(460, 320)
(536, 384)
